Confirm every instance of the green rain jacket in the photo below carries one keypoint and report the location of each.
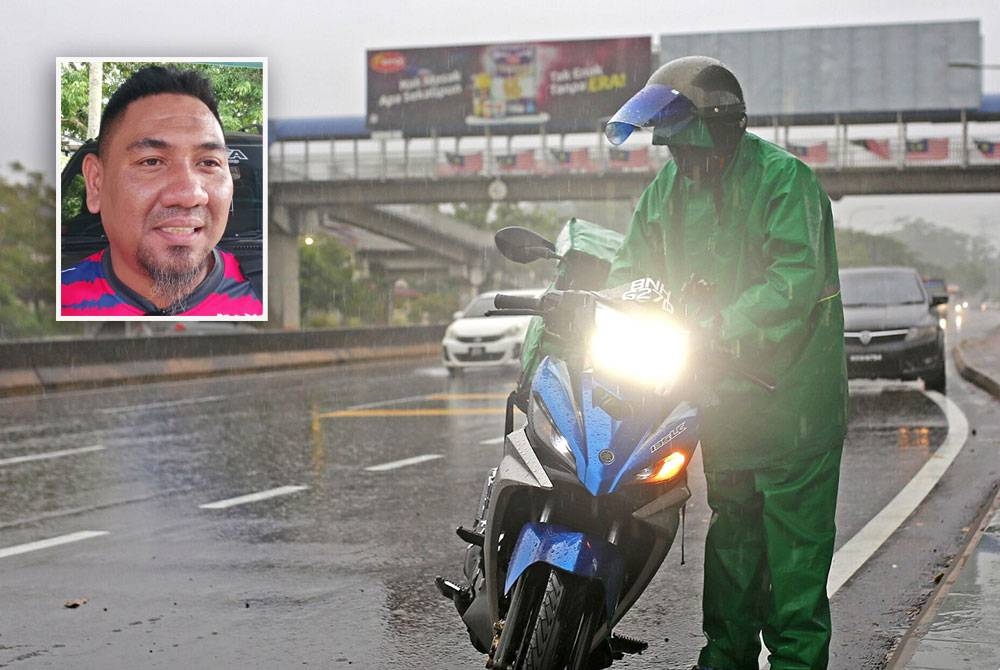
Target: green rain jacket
(764, 236)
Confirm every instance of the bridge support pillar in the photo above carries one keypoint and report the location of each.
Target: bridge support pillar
(283, 279)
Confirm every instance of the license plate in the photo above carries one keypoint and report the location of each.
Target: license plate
(477, 351)
(865, 358)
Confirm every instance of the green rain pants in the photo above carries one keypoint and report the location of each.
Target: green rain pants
(767, 559)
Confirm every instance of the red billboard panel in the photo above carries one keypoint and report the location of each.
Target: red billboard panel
(564, 86)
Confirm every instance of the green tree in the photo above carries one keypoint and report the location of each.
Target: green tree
(27, 257)
(494, 216)
(438, 300)
(329, 292)
(856, 248)
(239, 89)
(969, 259)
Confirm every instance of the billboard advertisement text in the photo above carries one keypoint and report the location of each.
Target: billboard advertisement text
(564, 86)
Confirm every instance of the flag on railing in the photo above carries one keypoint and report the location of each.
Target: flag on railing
(813, 153)
(934, 149)
(572, 159)
(988, 149)
(878, 147)
(461, 164)
(520, 161)
(628, 159)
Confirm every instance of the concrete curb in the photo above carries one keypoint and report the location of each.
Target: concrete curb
(29, 381)
(907, 646)
(911, 639)
(974, 375)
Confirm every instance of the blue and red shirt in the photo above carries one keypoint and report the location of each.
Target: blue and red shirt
(92, 289)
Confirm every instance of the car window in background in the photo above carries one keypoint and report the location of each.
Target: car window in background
(478, 307)
(881, 288)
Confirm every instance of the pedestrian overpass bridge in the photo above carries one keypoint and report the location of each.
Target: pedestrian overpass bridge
(329, 172)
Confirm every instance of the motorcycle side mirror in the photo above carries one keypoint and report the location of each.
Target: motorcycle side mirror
(522, 245)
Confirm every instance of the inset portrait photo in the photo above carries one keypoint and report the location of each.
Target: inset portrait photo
(163, 189)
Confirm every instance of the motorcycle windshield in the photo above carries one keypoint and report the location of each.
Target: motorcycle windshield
(655, 105)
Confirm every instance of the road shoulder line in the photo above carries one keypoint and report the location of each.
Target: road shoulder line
(856, 551)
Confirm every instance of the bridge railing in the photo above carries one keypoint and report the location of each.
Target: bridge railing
(395, 159)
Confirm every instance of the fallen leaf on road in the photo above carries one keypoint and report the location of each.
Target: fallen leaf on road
(76, 602)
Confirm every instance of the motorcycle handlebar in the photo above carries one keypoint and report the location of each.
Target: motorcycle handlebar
(522, 302)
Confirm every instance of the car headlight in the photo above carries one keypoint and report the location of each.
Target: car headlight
(513, 331)
(544, 428)
(921, 333)
(645, 348)
(449, 334)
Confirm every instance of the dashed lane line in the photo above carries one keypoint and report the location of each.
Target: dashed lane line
(442, 411)
(468, 396)
(402, 463)
(51, 542)
(253, 497)
(165, 403)
(14, 460)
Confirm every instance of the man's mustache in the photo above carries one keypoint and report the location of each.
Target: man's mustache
(199, 212)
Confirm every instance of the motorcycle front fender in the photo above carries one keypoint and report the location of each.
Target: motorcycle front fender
(519, 469)
(571, 551)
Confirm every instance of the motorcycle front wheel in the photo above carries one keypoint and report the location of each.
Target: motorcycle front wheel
(550, 623)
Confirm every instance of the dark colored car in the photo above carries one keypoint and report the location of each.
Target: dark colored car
(891, 329)
(937, 289)
(82, 233)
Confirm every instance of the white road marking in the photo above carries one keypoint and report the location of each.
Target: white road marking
(13, 460)
(402, 463)
(165, 403)
(253, 497)
(51, 542)
(856, 551)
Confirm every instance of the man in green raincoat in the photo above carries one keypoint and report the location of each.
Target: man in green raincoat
(751, 221)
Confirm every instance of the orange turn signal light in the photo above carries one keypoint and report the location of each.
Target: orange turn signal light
(669, 467)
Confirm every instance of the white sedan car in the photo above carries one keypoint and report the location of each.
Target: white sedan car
(476, 340)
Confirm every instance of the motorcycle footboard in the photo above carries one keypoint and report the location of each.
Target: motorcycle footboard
(573, 552)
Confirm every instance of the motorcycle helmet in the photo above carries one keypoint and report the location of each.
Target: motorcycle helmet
(695, 106)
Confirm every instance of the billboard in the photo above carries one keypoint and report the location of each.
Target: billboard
(872, 68)
(518, 87)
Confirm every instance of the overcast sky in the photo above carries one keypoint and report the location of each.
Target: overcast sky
(316, 48)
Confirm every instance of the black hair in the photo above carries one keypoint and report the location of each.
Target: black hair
(154, 80)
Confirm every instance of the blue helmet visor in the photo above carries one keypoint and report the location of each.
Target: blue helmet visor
(655, 105)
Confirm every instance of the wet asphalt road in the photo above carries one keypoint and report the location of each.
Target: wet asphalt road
(340, 574)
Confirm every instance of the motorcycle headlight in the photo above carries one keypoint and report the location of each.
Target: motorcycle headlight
(544, 428)
(645, 348)
(668, 468)
(920, 333)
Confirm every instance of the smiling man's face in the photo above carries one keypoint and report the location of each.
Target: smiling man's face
(163, 189)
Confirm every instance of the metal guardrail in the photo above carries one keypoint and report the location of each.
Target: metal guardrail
(76, 352)
(397, 159)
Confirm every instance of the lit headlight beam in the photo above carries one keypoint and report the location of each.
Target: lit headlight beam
(647, 349)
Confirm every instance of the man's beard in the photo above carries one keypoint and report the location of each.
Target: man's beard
(174, 275)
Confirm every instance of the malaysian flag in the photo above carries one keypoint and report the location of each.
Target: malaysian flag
(878, 147)
(628, 159)
(461, 164)
(927, 150)
(813, 153)
(988, 149)
(520, 161)
(572, 159)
